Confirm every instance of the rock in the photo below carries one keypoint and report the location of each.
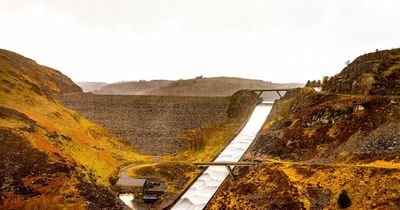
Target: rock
(359, 108)
(325, 121)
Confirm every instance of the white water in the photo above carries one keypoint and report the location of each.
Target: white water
(199, 194)
(127, 199)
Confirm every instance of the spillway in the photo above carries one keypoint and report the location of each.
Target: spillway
(202, 190)
(127, 199)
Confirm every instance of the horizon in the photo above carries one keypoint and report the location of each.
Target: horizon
(125, 81)
(277, 41)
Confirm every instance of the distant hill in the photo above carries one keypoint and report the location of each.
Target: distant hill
(91, 86)
(215, 86)
(375, 73)
(50, 156)
(132, 88)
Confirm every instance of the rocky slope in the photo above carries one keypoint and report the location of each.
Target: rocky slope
(306, 125)
(323, 150)
(374, 73)
(50, 156)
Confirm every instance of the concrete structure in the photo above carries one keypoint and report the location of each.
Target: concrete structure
(129, 185)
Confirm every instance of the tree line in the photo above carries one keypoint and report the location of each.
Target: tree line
(317, 83)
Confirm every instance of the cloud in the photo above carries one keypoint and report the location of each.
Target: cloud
(278, 40)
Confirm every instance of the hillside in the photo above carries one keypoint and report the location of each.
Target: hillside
(132, 88)
(215, 86)
(51, 157)
(91, 86)
(374, 73)
(321, 150)
(39, 79)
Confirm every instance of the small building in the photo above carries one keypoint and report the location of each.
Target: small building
(152, 191)
(130, 185)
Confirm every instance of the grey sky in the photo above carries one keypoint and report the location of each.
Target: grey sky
(280, 41)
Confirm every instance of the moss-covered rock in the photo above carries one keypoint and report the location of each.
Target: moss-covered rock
(241, 101)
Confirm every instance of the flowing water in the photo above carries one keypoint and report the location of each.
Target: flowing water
(201, 191)
(127, 199)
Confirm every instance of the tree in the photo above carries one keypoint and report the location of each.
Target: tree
(325, 79)
(313, 83)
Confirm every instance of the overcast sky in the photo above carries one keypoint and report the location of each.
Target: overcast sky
(279, 41)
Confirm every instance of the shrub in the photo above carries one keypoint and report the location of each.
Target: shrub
(344, 200)
(194, 141)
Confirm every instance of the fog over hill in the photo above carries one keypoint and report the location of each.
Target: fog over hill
(199, 86)
(91, 86)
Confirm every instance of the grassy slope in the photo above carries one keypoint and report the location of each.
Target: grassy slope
(293, 185)
(88, 150)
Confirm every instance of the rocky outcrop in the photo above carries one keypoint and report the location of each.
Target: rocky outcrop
(376, 73)
(304, 121)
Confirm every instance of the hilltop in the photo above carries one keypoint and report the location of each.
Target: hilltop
(374, 73)
(215, 86)
(51, 157)
(141, 87)
(323, 150)
(39, 79)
